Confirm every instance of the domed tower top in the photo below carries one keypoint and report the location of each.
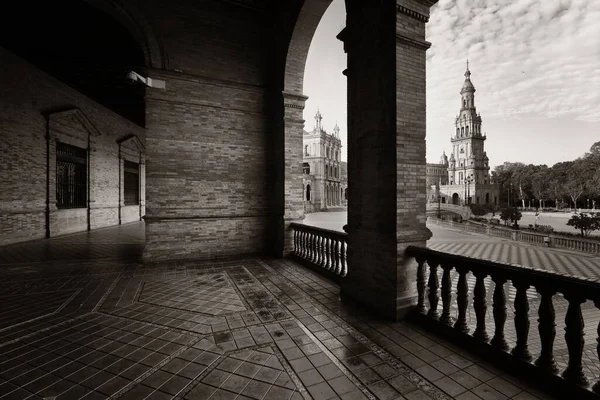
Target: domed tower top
(444, 159)
(336, 130)
(468, 85)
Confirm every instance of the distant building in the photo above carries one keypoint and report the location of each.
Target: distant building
(464, 178)
(325, 176)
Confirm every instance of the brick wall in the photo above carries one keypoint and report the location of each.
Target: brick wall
(33, 104)
(210, 174)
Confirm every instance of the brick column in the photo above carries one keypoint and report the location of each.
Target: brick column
(384, 40)
(293, 188)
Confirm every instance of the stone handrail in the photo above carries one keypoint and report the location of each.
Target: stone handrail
(550, 240)
(575, 291)
(323, 248)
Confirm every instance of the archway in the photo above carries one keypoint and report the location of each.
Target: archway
(380, 34)
(95, 60)
(308, 192)
(455, 199)
(487, 198)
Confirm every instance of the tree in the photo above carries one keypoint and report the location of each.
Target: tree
(585, 223)
(541, 186)
(511, 213)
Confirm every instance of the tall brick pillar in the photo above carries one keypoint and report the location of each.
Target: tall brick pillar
(385, 44)
(293, 210)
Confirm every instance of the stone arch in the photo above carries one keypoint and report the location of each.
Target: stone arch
(308, 19)
(455, 199)
(139, 27)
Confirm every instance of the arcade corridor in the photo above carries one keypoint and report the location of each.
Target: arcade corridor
(87, 320)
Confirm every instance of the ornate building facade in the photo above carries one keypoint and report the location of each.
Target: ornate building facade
(464, 178)
(324, 174)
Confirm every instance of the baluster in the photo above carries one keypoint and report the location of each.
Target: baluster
(462, 299)
(446, 319)
(338, 266)
(303, 244)
(421, 285)
(344, 245)
(521, 350)
(334, 255)
(329, 251)
(480, 306)
(328, 260)
(596, 387)
(499, 311)
(313, 247)
(325, 262)
(319, 249)
(574, 337)
(547, 329)
(433, 284)
(295, 241)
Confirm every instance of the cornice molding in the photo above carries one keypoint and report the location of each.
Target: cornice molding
(289, 105)
(411, 13)
(420, 44)
(78, 116)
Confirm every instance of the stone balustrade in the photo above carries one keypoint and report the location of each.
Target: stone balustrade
(559, 242)
(548, 285)
(322, 248)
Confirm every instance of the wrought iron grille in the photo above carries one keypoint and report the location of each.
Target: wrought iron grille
(132, 183)
(71, 176)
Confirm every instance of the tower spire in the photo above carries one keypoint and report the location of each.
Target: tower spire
(318, 119)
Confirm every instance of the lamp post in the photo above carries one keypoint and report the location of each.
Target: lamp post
(588, 204)
(469, 191)
(437, 189)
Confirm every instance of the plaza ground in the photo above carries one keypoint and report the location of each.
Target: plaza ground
(83, 318)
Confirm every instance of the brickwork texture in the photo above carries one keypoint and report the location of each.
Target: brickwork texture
(37, 110)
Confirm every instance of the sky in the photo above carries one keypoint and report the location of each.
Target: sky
(535, 66)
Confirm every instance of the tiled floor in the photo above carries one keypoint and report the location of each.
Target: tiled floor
(98, 324)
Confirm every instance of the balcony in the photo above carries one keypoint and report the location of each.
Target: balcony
(568, 364)
(83, 317)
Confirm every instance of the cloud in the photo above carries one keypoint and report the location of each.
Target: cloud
(527, 57)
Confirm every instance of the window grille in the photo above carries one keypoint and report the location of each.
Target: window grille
(71, 176)
(132, 183)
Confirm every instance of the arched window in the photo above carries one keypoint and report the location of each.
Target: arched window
(467, 131)
(308, 192)
(306, 168)
(326, 170)
(457, 131)
(464, 102)
(306, 150)
(487, 198)
(462, 132)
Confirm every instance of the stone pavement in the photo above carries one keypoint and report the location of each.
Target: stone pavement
(97, 324)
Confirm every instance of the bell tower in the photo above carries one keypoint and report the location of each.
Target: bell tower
(468, 161)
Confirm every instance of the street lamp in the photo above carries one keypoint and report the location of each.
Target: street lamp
(469, 180)
(588, 204)
(437, 189)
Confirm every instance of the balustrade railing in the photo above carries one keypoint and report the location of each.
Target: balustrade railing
(583, 245)
(323, 248)
(548, 287)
